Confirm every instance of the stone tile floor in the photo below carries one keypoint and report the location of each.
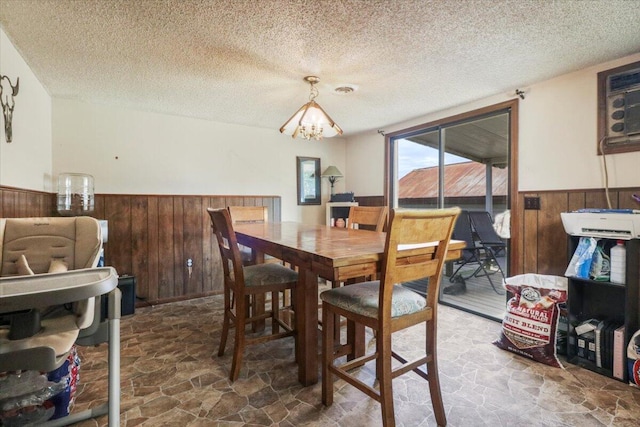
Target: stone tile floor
(171, 376)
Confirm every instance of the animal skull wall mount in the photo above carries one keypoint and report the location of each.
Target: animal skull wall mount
(6, 98)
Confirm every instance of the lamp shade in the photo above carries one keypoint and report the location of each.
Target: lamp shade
(332, 171)
(311, 121)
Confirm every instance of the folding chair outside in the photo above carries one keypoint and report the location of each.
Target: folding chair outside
(476, 251)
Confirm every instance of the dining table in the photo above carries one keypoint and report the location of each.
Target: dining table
(319, 251)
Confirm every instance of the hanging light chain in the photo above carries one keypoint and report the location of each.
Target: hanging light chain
(314, 91)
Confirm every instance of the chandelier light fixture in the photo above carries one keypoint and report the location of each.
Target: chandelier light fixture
(311, 121)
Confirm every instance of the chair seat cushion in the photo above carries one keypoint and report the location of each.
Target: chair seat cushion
(268, 274)
(362, 298)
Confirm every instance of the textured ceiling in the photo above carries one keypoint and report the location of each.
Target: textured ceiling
(243, 61)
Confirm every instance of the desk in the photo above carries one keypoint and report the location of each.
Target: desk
(336, 254)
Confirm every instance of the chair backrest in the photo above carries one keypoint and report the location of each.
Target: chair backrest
(231, 259)
(416, 247)
(483, 225)
(368, 217)
(75, 241)
(463, 231)
(240, 214)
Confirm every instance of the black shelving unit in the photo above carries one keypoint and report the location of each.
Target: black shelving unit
(127, 286)
(590, 299)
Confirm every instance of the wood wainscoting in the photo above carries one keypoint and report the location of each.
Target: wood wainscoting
(152, 236)
(542, 245)
(18, 203)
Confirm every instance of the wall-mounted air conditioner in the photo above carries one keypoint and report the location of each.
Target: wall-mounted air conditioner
(622, 106)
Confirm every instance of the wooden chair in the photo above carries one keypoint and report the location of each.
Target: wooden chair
(248, 214)
(367, 217)
(254, 214)
(242, 282)
(416, 247)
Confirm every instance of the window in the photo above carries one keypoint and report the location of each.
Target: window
(460, 161)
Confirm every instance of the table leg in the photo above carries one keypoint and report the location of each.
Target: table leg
(257, 308)
(258, 303)
(448, 268)
(306, 314)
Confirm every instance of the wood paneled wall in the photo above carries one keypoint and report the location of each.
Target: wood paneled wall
(370, 200)
(543, 242)
(17, 203)
(151, 237)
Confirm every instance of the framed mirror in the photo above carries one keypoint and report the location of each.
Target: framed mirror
(308, 172)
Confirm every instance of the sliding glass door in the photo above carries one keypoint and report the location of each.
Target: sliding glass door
(461, 163)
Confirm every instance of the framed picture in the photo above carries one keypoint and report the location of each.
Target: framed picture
(308, 172)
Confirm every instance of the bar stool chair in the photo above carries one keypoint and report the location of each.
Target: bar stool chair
(260, 215)
(416, 247)
(361, 217)
(244, 215)
(242, 282)
(367, 217)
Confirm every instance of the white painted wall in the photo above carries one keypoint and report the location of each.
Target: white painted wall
(25, 162)
(134, 152)
(558, 136)
(557, 139)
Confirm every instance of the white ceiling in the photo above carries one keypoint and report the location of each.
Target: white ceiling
(243, 61)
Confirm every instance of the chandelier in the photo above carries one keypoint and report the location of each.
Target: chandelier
(311, 121)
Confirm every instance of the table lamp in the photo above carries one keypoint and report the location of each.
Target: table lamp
(332, 174)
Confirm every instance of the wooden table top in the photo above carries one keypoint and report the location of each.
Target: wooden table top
(331, 246)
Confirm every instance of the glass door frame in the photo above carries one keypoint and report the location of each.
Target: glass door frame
(390, 181)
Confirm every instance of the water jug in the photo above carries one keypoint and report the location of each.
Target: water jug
(75, 194)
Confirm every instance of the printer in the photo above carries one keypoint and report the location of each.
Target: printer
(623, 224)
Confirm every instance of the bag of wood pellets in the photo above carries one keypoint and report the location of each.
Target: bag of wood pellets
(530, 324)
